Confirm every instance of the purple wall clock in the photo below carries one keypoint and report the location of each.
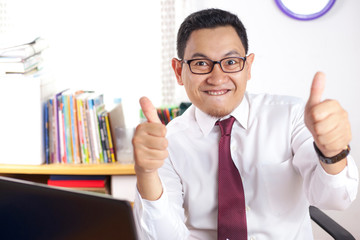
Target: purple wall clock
(300, 11)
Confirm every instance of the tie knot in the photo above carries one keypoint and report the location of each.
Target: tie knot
(226, 125)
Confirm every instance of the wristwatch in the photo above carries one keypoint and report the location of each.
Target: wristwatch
(329, 160)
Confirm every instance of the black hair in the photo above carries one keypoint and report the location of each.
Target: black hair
(209, 18)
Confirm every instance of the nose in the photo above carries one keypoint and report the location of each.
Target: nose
(217, 76)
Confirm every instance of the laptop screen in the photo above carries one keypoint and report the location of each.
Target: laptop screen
(35, 211)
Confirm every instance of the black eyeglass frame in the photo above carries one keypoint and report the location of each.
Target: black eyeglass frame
(214, 62)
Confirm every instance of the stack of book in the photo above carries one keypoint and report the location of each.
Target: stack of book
(25, 59)
(78, 129)
(93, 183)
(22, 77)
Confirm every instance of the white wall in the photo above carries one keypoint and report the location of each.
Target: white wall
(109, 46)
(288, 52)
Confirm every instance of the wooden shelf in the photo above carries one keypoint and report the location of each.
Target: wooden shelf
(70, 169)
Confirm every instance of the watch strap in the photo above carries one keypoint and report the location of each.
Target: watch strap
(330, 160)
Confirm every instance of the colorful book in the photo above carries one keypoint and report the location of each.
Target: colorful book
(109, 137)
(25, 50)
(53, 139)
(103, 136)
(94, 100)
(59, 131)
(78, 181)
(77, 177)
(62, 132)
(74, 129)
(99, 108)
(46, 133)
(81, 130)
(87, 145)
(67, 125)
(50, 106)
(90, 143)
(78, 129)
(92, 131)
(73, 136)
(10, 65)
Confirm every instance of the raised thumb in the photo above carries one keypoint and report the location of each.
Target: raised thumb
(149, 110)
(317, 89)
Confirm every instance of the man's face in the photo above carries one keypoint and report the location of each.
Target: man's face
(216, 93)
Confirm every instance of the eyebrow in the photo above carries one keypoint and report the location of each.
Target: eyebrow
(201, 55)
(233, 52)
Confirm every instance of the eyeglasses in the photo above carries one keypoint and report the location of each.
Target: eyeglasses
(205, 66)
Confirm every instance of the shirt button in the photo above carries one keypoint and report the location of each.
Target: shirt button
(252, 238)
(233, 148)
(247, 209)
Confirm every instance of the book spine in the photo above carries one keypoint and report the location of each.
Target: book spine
(62, 131)
(26, 50)
(91, 149)
(77, 183)
(78, 177)
(54, 126)
(51, 136)
(86, 133)
(67, 128)
(63, 140)
(93, 131)
(77, 138)
(99, 107)
(103, 137)
(98, 110)
(58, 123)
(46, 132)
(81, 131)
(109, 137)
(74, 130)
(106, 138)
(69, 125)
(32, 62)
(77, 128)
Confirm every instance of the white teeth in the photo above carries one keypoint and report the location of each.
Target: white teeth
(215, 93)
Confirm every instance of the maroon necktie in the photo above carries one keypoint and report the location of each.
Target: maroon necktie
(231, 211)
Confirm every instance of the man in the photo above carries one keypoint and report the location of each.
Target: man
(273, 151)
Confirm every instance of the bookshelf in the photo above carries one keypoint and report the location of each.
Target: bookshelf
(69, 169)
(122, 176)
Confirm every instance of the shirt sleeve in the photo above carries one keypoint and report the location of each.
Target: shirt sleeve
(163, 218)
(326, 191)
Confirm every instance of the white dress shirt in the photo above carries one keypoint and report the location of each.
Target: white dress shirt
(274, 153)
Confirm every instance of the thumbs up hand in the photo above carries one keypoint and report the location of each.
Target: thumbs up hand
(149, 142)
(327, 121)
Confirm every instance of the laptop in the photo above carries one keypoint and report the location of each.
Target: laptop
(36, 211)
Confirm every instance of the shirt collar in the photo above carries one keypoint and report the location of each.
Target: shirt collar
(207, 122)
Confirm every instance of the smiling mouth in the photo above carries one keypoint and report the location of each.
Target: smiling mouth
(217, 92)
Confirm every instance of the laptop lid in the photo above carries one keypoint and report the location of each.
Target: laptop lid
(36, 211)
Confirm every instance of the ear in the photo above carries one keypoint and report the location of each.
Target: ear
(249, 61)
(177, 67)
